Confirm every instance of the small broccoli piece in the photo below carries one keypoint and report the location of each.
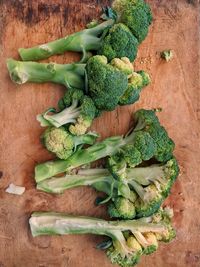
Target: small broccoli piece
(143, 235)
(137, 81)
(167, 55)
(78, 113)
(106, 83)
(135, 14)
(63, 143)
(119, 42)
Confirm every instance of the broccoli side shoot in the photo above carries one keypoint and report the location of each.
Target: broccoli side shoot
(135, 14)
(145, 137)
(63, 143)
(78, 113)
(128, 239)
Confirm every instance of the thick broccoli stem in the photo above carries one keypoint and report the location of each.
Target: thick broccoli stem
(107, 147)
(85, 40)
(51, 223)
(59, 184)
(67, 74)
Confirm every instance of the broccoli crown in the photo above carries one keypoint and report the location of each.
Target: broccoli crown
(63, 143)
(147, 121)
(118, 42)
(121, 208)
(137, 81)
(106, 84)
(136, 15)
(150, 186)
(143, 148)
(84, 110)
(58, 141)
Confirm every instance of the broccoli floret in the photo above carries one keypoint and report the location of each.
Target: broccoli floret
(119, 42)
(78, 113)
(137, 81)
(123, 64)
(106, 83)
(135, 14)
(167, 55)
(121, 208)
(63, 143)
(128, 239)
(140, 136)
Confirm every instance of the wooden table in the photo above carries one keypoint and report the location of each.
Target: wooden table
(175, 88)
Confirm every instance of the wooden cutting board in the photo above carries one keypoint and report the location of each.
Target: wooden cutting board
(175, 87)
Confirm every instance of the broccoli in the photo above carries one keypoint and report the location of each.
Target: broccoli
(148, 146)
(135, 14)
(128, 239)
(126, 26)
(139, 194)
(105, 83)
(167, 55)
(63, 143)
(79, 112)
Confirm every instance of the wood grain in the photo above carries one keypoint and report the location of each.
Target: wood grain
(175, 87)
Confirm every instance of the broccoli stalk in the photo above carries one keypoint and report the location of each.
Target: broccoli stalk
(104, 82)
(128, 240)
(82, 41)
(69, 75)
(140, 194)
(126, 26)
(144, 139)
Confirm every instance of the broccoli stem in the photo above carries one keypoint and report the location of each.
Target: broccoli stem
(107, 147)
(145, 175)
(68, 115)
(51, 223)
(79, 42)
(59, 184)
(71, 75)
